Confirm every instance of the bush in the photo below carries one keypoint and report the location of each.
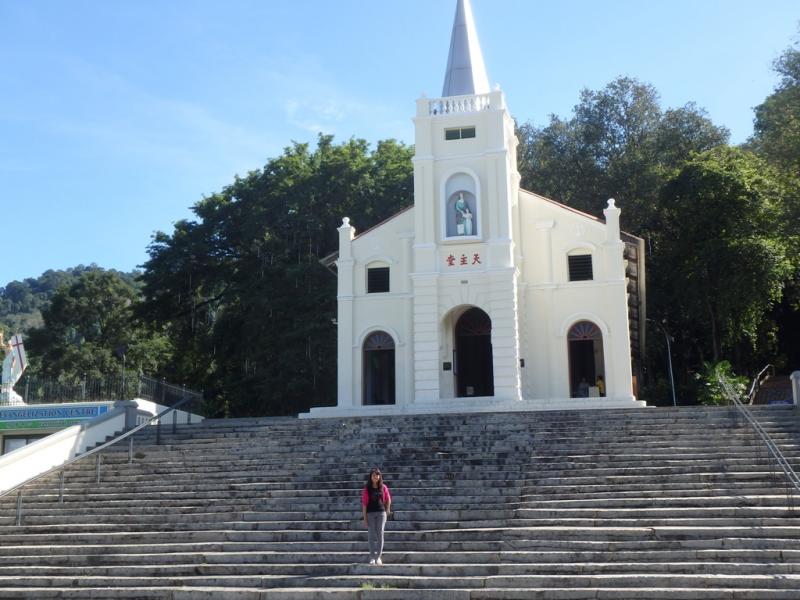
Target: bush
(717, 382)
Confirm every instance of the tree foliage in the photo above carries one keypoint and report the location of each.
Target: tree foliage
(720, 260)
(776, 138)
(88, 326)
(240, 289)
(618, 144)
(776, 129)
(21, 302)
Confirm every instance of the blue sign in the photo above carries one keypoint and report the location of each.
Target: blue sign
(34, 413)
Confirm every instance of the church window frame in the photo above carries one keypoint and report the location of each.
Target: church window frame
(460, 133)
(580, 266)
(378, 278)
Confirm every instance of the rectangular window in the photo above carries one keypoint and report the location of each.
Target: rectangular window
(580, 267)
(12, 442)
(459, 133)
(377, 280)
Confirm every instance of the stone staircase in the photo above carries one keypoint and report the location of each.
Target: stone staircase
(636, 504)
(775, 390)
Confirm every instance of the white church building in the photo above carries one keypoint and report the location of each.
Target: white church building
(483, 296)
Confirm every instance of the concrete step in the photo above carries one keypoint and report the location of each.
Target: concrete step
(616, 504)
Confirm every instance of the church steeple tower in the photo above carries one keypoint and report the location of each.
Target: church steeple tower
(466, 72)
(466, 190)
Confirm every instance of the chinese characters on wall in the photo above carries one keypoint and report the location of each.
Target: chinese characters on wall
(463, 260)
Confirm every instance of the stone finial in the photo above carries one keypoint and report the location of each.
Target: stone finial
(346, 234)
(612, 213)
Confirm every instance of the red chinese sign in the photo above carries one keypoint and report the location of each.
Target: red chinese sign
(463, 260)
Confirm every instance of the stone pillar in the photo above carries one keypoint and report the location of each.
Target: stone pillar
(546, 289)
(617, 348)
(426, 338)
(131, 409)
(795, 377)
(345, 266)
(505, 334)
(405, 361)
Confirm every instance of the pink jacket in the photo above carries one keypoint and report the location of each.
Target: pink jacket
(387, 497)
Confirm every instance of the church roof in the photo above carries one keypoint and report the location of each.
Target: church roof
(466, 72)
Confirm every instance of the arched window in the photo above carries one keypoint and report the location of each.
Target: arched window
(378, 362)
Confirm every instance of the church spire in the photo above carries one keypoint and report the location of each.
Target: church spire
(466, 73)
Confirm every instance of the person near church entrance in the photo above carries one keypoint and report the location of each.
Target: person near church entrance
(601, 385)
(376, 505)
(583, 388)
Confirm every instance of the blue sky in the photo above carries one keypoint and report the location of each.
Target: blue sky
(117, 116)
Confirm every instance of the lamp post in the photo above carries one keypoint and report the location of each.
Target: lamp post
(121, 351)
(669, 357)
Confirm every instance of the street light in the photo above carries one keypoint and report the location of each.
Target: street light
(669, 357)
(121, 351)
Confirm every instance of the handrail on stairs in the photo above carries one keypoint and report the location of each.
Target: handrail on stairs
(189, 396)
(791, 477)
(758, 380)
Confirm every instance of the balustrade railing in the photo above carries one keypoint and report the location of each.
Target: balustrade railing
(459, 104)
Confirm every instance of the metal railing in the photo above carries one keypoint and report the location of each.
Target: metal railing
(189, 402)
(42, 390)
(775, 456)
(758, 381)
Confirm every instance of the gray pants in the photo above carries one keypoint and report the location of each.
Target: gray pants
(375, 524)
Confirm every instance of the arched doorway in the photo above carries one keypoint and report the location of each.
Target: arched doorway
(473, 355)
(586, 362)
(378, 365)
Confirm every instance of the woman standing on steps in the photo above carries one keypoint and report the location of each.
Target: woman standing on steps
(376, 504)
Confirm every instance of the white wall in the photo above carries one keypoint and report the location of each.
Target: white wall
(360, 314)
(42, 455)
(552, 303)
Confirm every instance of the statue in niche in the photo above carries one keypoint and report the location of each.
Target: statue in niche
(463, 216)
(467, 221)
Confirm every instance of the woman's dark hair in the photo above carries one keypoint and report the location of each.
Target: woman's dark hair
(369, 477)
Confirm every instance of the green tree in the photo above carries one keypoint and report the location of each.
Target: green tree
(618, 144)
(776, 129)
(21, 302)
(718, 382)
(720, 260)
(240, 289)
(88, 325)
(776, 138)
